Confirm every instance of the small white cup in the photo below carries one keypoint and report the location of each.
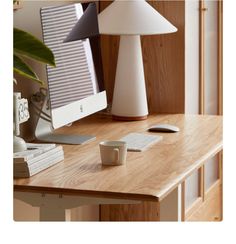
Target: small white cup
(113, 152)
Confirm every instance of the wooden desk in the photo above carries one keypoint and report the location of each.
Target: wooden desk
(151, 176)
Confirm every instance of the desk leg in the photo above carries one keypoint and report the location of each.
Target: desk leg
(52, 214)
(171, 206)
(54, 207)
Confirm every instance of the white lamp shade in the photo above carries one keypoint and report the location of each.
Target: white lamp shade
(133, 17)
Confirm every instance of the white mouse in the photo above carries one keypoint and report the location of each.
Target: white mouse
(164, 128)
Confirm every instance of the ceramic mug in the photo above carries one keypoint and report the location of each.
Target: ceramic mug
(113, 152)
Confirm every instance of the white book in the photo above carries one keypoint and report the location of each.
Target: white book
(33, 150)
(31, 172)
(30, 161)
(38, 164)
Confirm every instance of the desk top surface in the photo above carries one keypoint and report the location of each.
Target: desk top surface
(148, 175)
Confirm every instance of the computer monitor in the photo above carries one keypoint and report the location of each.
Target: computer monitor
(75, 85)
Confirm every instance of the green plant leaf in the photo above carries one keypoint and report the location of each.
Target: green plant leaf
(23, 69)
(27, 45)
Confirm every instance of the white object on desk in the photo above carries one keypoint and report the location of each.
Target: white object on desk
(21, 115)
(32, 151)
(130, 19)
(164, 128)
(113, 152)
(138, 142)
(75, 89)
(36, 158)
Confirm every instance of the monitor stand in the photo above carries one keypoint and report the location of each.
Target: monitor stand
(44, 131)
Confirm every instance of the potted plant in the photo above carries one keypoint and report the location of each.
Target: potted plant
(28, 46)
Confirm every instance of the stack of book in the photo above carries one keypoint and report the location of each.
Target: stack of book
(36, 158)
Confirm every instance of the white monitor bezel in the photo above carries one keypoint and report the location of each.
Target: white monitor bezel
(78, 110)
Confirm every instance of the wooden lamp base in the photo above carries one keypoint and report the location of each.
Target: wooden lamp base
(122, 118)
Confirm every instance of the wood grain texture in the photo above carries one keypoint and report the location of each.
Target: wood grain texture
(193, 208)
(220, 158)
(202, 182)
(85, 213)
(211, 208)
(149, 175)
(220, 57)
(163, 57)
(214, 211)
(183, 201)
(202, 11)
(147, 211)
(121, 118)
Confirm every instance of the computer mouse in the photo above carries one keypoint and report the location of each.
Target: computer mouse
(164, 128)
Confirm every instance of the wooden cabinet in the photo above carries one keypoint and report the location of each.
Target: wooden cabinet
(147, 211)
(183, 73)
(211, 208)
(208, 100)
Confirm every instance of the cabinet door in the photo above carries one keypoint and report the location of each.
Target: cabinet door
(211, 57)
(211, 77)
(209, 100)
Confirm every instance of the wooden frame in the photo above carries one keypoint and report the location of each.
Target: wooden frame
(220, 89)
(202, 182)
(202, 10)
(220, 57)
(201, 194)
(183, 201)
(210, 209)
(205, 195)
(221, 179)
(193, 208)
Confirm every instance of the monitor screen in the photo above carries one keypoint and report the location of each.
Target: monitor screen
(75, 85)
